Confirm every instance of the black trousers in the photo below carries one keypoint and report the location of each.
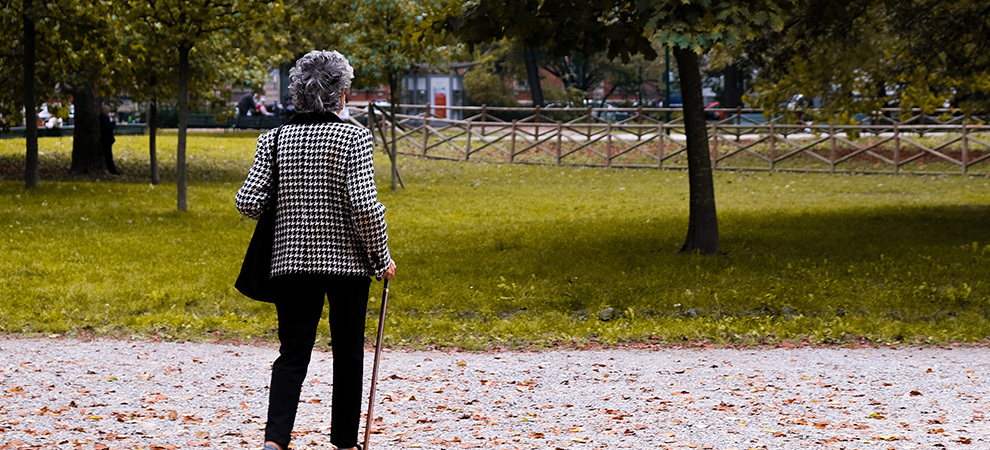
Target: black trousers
(108, 159)
(298, 316)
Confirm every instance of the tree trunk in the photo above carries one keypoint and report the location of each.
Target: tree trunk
(152, 143)
(533, 76)
(183, 110)
(702, 236)
(732, 96)
(31, 177)
(87, 150)
(393, 89)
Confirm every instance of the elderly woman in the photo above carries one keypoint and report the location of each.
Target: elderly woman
(329, 240)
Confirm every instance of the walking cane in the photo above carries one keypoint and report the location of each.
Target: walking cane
(374, 370)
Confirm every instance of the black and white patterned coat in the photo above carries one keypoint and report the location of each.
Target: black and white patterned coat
(328, 218)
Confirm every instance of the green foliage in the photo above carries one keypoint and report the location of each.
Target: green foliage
(76, 46)
(226, 41)
(557, 27)
(387, 37)
(700, 24)
(486, 87)
(859, 56)
(514, 255)
(568, 96)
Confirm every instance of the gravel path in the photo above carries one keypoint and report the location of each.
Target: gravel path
(63, 394)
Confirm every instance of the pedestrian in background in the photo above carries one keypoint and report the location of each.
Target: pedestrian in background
(246, 104)
(107, 138)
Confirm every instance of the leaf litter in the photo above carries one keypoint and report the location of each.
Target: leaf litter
(105, 394)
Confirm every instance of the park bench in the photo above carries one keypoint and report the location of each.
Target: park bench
(258, 122)
(208, 121)
(123, 129)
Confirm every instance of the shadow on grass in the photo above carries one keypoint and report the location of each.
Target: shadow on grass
(903, 263)
(55, 160)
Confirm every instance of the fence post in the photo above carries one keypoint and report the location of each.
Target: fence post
(639, 121)
(560, 140)
(512, 143)
(484, 118)
(426, 131)
(467, 147)
(833, 151)
(591, 120)
(714, 161)
(536, 120)
(738, 123)
(965, 148)
(773, 146)
(897, 149)
(608, 145)
(660, 134)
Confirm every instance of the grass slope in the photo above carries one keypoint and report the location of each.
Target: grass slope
(512, 255)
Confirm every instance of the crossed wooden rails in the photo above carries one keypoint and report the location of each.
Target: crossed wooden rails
(642, 140)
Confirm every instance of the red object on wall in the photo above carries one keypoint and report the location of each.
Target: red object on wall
(440, 99)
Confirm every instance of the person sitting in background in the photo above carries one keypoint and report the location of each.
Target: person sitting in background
(262, 108)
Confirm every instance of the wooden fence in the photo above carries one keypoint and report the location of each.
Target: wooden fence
(740, 139)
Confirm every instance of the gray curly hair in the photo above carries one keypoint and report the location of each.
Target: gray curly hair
(317, 80)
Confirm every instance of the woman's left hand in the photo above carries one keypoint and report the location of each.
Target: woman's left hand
(390, 272)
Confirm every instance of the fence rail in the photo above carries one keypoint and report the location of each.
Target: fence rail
(740, 139)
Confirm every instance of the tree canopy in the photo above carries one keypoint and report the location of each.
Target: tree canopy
(221, 28)
(860, 56)
(578, 31)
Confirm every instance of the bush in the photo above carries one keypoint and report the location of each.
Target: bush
(486, 87)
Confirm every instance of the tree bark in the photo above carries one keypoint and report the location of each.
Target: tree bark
(702, 236)
(732, 96)
(152, 140)
(393, 89)
(31, 177)
(183, 110)
(533, 76)
(87, 150)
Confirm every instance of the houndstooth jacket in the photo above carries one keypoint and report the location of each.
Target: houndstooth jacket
(328, 219)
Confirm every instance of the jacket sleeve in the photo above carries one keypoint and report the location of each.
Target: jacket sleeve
(367, 213)
(252, 197)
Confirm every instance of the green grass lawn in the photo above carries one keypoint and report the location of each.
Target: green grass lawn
(499, 255)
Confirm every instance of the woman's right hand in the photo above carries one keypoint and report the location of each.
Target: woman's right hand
(390, 272)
